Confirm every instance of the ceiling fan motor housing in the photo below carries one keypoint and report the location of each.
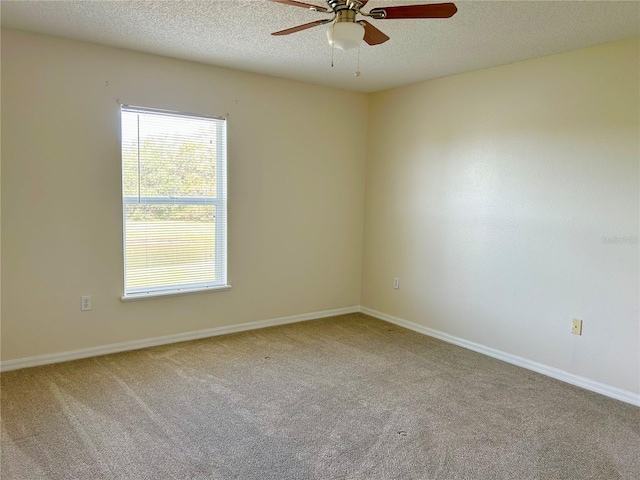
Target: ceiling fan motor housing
(337, 5)
(346, 16)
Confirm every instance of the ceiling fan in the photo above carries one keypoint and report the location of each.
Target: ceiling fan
(345, 32)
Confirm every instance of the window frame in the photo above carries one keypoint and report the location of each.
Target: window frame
(219, 201)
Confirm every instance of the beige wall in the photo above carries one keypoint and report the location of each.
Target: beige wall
(490, 195)
(296, 194)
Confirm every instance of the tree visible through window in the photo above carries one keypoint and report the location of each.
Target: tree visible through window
(174, 201)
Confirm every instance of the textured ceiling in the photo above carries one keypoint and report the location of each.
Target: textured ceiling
(236, 34)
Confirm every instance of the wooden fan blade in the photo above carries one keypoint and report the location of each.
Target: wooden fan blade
(433, 10)
(372, 35)
(301, 27)
(308, 6)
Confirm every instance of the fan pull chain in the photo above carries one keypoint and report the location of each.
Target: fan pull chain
(358, 70)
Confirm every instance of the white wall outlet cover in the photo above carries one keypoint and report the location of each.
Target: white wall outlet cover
(85, 302)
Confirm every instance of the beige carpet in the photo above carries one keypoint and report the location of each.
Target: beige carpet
(348, 397)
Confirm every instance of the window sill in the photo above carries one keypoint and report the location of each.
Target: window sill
(147, 296)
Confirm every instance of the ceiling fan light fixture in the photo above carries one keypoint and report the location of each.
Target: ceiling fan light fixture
(345, 35)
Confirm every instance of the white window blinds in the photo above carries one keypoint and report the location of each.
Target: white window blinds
(174, 202)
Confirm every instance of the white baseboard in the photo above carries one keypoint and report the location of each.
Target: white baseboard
(602, 388)
(155, 341)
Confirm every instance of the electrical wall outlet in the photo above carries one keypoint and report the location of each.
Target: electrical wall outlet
(85, 303)
(396, 283)
(576, 326)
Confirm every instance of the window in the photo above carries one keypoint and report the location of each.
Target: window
(174, 202)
